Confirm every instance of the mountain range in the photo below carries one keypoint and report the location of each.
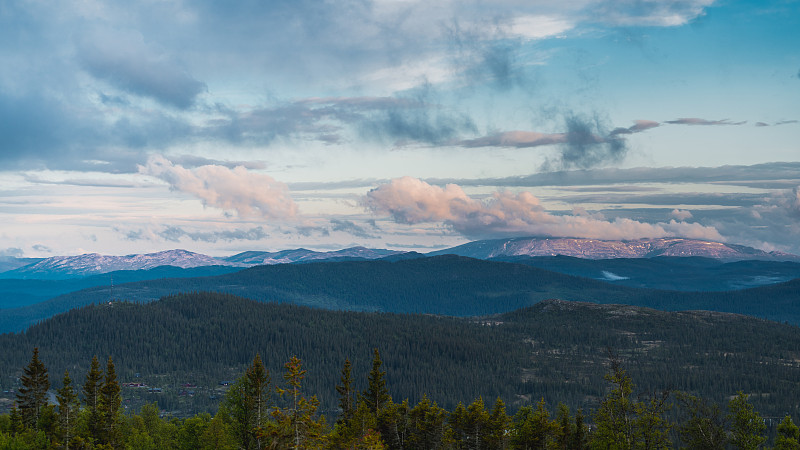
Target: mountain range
(60, 267)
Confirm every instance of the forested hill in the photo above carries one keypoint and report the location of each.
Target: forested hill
(555, 349)
(444, 285)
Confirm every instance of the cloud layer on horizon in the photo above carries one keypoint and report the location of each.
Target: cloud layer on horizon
(410, 201)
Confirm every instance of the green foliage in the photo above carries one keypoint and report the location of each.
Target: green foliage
(109, 407)
(68, 408)
(247, 404)
(376, 395)
(427, 425)
(345, 391)
(297, 425)
(92, 399)
(551, 350)
(32, 395)
(788, 435)
(747, 426)
(704, 423)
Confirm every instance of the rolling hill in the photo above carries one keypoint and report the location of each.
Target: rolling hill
(442, 285)
(555, 349)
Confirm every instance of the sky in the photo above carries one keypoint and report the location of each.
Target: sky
(220, 127)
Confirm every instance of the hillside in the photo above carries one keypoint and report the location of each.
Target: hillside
(443, 285)
(554, 349)
(608, 249)
(668, 272)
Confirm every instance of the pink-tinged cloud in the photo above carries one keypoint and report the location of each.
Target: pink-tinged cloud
(520, 139)
(249, 194)
(410, 201)
(696, 121)
(641, 125)
(681, 215)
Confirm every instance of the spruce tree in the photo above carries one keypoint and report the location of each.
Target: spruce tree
(32, 396)
(376, 395)
(91, 398)
(345, 390)
(247, 402)
(68, 408)
(296, 426)
(110, 404)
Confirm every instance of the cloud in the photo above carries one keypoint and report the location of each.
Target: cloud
(423, 122)
(350, 227)
(696, 121)
(586, 144)
(681, 215)
(780, 122)
(42, 248)
(12, 252)
(637, 127)
(776, 175)
(125, 61)
(410, 201)
(659, 13)
(249, 194)
(174, 234)
(519, 139)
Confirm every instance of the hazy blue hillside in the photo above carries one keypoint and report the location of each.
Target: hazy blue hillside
(668, 272)
(15, 293)
(444, 285)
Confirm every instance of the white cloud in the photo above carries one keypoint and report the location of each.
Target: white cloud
(681, 215)
(249, 194)
(411, 201)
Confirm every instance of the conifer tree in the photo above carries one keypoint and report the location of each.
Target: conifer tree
(705, 425)
(428, 425)
(110, 404)
(296, 426)
(788, 437)
(345, 391)
(68, 408)
(248, 403)
(614, 419)
(747, 426)
(376, 395)
(32, 395)
(91, 398)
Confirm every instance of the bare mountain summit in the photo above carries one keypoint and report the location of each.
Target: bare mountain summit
(601, 249)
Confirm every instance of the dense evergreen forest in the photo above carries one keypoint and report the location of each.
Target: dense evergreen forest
(442, 285)
(186, 345)
(261, 412)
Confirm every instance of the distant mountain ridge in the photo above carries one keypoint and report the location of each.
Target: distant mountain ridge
(303, 255)
(604, 249)
(94, 263)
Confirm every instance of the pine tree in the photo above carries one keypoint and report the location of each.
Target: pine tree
(376, 395)
(788, 435)
(614, 419)
(747, 426)
(110, 404)
(248, 403)
(91, 398)
(296, 426)
(32, 396)
(68, 408)
(345, 391)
